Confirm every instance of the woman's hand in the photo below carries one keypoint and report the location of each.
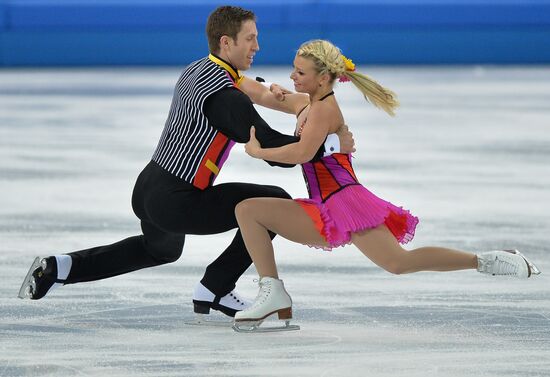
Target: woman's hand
(253, 147)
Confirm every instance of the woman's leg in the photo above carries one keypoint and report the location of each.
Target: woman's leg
(282, 216)
(381, 247)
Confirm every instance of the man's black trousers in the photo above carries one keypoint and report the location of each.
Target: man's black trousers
(169, 208)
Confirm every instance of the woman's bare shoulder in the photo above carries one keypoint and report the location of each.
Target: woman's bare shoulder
(326, 111)
(297, 101)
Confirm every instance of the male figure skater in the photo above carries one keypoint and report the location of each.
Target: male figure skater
(175, 194)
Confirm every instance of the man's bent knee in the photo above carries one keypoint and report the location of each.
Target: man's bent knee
(167, 257)
(277, 192)
(165, 251)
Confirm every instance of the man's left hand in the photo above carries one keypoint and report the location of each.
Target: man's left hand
(253, 147)
(347, 143)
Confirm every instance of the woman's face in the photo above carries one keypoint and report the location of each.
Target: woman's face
(305, 77)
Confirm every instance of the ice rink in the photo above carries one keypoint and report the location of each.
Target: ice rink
(468, 153)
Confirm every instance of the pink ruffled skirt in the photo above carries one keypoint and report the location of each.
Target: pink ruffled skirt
(354, 209)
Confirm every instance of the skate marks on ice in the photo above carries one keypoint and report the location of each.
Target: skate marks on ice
(436, 340)
(152, 340)
(210, 320)
(434, 324)
(135, 341)
(500, 324)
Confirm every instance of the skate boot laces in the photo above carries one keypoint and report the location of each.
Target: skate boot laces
(263, 293)
(503, 266)
(504, 263)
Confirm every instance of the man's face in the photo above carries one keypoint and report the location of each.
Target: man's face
(240, 52)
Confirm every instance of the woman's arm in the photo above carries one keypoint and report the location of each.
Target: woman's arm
(313, 136)
(259, 94)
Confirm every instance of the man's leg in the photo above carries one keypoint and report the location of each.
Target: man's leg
(222, 274)
(153, 248)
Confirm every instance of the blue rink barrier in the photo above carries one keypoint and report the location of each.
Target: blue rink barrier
(163, 32)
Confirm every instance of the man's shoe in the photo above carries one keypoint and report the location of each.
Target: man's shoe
(41, 278)
(204, 300)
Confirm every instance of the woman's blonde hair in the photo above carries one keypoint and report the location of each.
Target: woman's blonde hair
(329, 59)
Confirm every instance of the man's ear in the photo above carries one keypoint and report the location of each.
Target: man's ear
(224, 42)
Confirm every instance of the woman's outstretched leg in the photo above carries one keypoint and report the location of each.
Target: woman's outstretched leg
(285, 217)
(381, 247)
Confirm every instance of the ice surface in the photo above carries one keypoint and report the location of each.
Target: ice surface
(468, 153)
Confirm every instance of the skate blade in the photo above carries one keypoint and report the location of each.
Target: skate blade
(534, 270)
(254, 327)
(201, 320)
(29, 285)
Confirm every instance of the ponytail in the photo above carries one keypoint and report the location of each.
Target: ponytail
(329, 59)
(374, 93)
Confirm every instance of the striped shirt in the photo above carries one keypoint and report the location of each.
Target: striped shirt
(189, 147)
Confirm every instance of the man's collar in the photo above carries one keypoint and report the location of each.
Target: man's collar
(233, 72)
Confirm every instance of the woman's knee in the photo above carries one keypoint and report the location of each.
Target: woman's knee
(401, 261)
(245, 209)
(396, 267)
(394, 261)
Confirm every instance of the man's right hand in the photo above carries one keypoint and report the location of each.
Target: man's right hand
(347, 143)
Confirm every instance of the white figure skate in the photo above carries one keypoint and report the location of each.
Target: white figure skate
(204, 300)
(506, 263)
(272, 298)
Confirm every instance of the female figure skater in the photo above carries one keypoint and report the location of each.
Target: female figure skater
(339, 210)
